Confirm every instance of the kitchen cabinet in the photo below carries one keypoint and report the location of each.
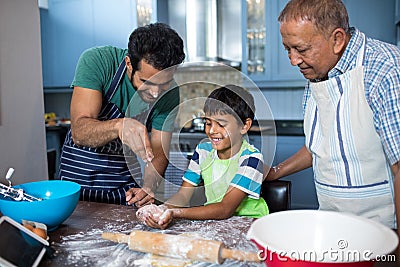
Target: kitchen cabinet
(70, 27)
(248, 32)
(269, 65)
(241, 33)
(264, 59)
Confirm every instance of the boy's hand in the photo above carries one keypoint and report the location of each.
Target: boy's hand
(161, 222)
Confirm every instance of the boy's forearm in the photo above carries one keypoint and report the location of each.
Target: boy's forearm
(210, 212)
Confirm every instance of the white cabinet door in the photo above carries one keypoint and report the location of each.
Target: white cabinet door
(277, 70)
(71, 26)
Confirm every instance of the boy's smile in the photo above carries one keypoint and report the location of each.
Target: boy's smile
(225, 134)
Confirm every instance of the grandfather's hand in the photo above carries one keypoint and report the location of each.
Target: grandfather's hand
(139, 197)
(134, 134)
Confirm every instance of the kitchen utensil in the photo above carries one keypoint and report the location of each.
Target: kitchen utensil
(15, 194)
(178, 246)
(314, 238)
(59, 199)
(10, 172)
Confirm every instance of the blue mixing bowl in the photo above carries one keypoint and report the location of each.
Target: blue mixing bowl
(59, 201)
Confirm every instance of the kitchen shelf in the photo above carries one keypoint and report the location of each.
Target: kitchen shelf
(57, 90)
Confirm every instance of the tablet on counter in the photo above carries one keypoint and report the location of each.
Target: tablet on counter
(19, 246)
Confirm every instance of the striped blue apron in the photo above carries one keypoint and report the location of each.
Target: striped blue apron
(104, 173)
(350, 168)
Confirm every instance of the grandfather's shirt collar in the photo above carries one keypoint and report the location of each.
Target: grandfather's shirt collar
(348, 59)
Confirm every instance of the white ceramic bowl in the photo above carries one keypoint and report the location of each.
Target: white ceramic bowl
(321, 238)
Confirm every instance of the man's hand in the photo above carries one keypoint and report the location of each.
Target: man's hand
(139, 197)
(134, 134)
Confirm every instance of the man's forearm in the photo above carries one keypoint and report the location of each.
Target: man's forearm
(94, 133)
(301, 160)
(154, 172)
(396, 172)
(151, 177)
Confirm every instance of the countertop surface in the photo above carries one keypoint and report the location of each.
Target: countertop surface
(78, 242)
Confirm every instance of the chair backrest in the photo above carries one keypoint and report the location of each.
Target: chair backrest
(276, 194)
(51, 163)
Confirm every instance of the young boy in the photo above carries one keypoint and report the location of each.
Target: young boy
(229, 167)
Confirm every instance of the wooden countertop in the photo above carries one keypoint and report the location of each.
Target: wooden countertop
(78, 242)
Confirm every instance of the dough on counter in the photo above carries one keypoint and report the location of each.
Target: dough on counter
(148, 210)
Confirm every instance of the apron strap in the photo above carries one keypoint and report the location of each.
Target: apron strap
(361, 55)
(115, 81)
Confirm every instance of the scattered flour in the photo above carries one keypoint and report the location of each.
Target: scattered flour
(89, 249)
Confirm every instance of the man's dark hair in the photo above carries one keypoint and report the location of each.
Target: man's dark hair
(233, 100)
(158, 44)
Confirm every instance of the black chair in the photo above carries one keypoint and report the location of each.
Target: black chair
(276, 194)
(51, 163)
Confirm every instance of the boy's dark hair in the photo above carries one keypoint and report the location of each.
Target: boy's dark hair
(158, 44)
(233, 100)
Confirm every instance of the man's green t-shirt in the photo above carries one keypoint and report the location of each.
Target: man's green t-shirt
(95, 70)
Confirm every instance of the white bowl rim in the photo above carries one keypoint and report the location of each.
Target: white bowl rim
(392, 241)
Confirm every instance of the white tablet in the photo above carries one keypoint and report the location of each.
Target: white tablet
(18, 245)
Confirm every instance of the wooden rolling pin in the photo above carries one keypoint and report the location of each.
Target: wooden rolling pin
(178, 246)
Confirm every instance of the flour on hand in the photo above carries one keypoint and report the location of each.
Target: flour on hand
(150, 210)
